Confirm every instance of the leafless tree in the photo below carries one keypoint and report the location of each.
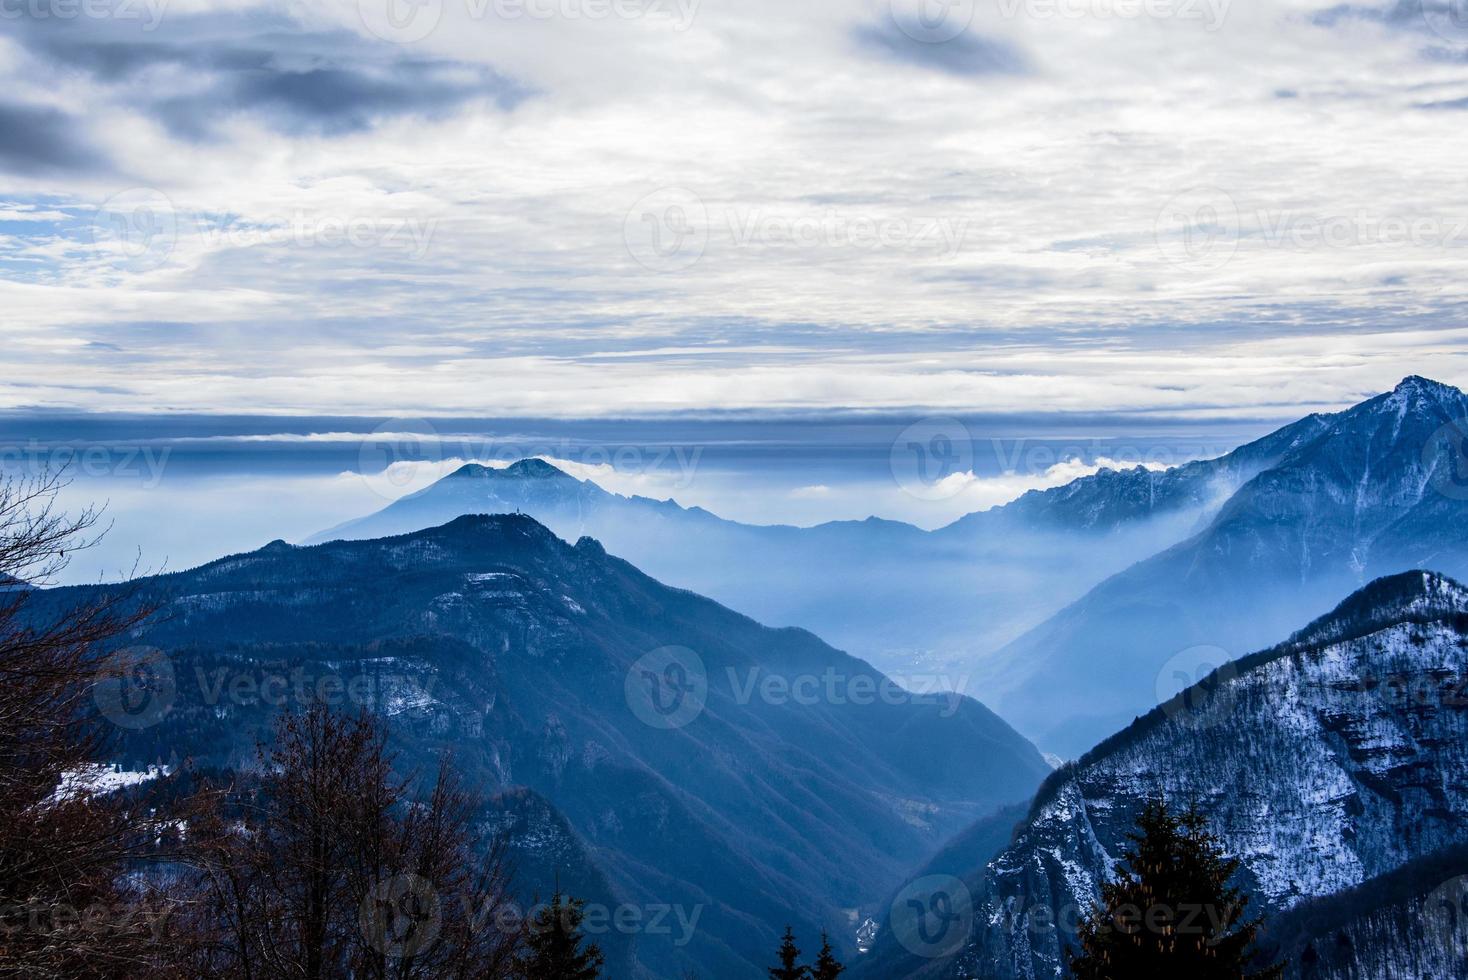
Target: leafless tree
(330, 867)
(325, 865)
(67, 906)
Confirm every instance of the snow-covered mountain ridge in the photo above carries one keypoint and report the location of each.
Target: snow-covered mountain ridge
(1323, 763)
(1379, 489)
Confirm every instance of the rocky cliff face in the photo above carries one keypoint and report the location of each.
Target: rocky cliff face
(1326, 762)
(1408, 923)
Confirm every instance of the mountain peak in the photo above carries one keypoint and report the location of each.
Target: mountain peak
(590, 546)
(534, 469)
(1415, 389)
(524, 469)
(1407, 596)
(522, 524)
(1417, 383)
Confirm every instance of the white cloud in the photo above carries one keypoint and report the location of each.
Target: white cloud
(660, 476)
(1086, 275)
(817, 492)
(965, 492)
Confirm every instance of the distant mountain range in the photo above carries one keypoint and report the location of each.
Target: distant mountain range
(798, 787)
(907, 599)
(1071, 609)
(1334, 766)
(648, 746)
(882, 590)
(1334, 502)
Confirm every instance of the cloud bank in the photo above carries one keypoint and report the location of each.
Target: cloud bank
(577, 207)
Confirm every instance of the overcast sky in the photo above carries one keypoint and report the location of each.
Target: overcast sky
(600, 207)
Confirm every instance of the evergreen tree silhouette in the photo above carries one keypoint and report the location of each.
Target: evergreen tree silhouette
(555, 951)
(789, 968)
(827, 966)
(1170, 912)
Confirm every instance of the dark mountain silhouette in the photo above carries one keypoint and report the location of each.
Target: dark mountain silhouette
(494, 639)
